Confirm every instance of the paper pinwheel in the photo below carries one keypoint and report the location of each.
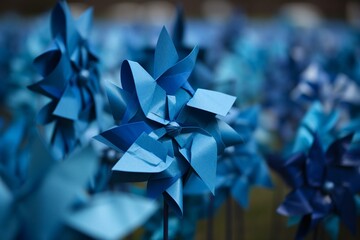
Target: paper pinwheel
(324, 183)
(55, 192)
(111, 215)
(316, 84)
(14, 153)
(241, 167)
(316, 120)
(50, 189)
(169, 134)
(70, 80)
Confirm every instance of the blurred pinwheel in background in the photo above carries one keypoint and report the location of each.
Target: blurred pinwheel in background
(323, 183)
(241, 167)
(14, 144)
(70, 80)
(296, 80)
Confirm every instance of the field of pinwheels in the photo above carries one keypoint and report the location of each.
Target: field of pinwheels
(189, 129)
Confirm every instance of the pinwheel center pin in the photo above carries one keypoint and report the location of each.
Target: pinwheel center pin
(84, 75)
(328, 187)
(173, 129)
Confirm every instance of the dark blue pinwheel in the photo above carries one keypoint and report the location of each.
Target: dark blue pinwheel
(169, 134)
(70, 80)
(318, 85)
(324, 183)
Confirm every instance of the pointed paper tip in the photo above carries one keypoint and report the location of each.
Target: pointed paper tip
(84, 22)
(165, 53)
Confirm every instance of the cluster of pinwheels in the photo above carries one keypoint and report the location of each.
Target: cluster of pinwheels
(32, 180)
(185, 142)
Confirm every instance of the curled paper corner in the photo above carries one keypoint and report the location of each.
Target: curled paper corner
(111, 216)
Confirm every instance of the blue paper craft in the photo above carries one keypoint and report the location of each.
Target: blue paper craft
(111, 215)
(49, 192)
(14, 152)
(70, 80)
(169, 133)
(241, 167)
(323, 183)
(317, 85)
(316, 120)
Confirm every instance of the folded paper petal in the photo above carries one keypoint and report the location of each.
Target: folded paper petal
(123, 105)
(240, 191)
(122, 137)
(69, 98)
(165, 54)
(295, 204)
(204, 158)
(211, 101)
(176, 76)
(315, 165)
(146, 155)
(84, 23)
(111, 216)
(52, 211)
(174, 197)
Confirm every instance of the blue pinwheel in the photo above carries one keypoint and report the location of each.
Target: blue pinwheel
(54, 192)
(317, 84)
(70, 80)
(324, 184)
(14, 152)
(169, 134)
(241, 167)
(47, 194)
(316, 120)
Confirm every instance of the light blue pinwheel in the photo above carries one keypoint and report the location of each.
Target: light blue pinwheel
(48, 192)
(316, 120)
(14, 152)
(70, 80)
(110, 215)
(53, 202)
(169, 134)
(242, 167)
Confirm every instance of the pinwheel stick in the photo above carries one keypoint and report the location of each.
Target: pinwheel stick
(210, 220)
(240, 222)
(229, 218)
(166, 221)
(275, 220)
(316, 232)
